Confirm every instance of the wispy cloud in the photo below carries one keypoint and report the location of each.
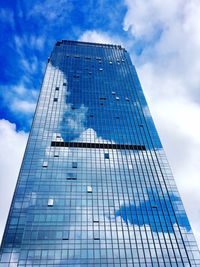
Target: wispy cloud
(37, 42)
(7, 16)
(23, 106)
(20, 99)
(29, 42)
(52, 10)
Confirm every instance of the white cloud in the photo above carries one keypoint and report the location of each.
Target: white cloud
(75, 120)
(12, 145)
(99, 37)
(169, 68)
(146, 18)
(90, 135)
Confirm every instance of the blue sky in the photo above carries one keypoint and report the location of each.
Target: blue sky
(163, 39)
(29, 31)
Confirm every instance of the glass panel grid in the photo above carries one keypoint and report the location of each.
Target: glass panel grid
(95, 187)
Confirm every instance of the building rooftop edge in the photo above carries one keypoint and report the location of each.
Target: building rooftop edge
(88, 43)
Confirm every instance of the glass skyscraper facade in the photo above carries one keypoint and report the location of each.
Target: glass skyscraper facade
(95, 187)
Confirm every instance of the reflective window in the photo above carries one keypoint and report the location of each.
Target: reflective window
(50, 202)
(74, 164)
(106, 155)
(89, 189)
(45, 164)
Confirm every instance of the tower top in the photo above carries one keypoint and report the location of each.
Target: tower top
(80, 43)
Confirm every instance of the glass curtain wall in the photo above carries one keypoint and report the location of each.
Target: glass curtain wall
(95, 187)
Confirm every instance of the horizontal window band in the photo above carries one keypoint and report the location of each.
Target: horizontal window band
(97, 145)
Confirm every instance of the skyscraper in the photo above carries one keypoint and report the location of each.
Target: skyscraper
(95, 188)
